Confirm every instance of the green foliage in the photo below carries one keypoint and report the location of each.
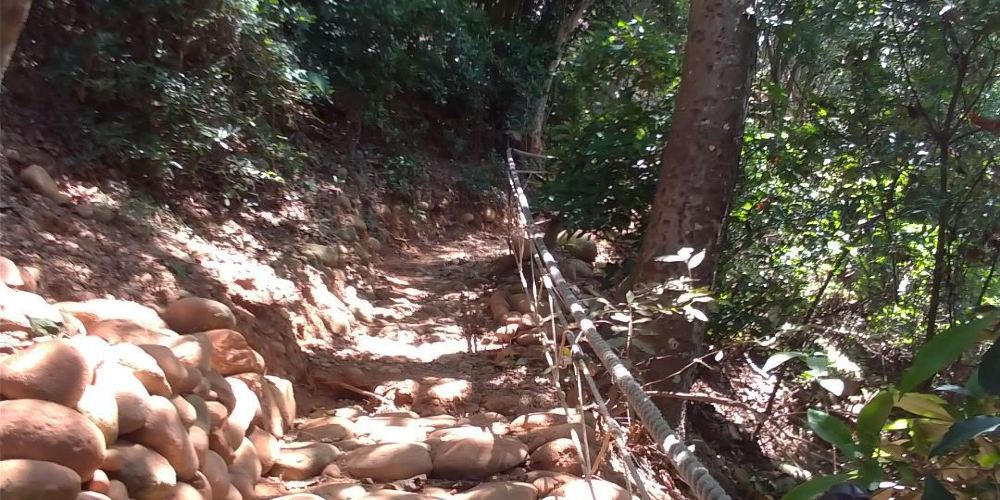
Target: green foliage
(207, 91)
(610, 122)
(418, 68)
(932, 438)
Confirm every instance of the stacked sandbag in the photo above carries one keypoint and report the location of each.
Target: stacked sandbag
(511, 307)
(131, 404)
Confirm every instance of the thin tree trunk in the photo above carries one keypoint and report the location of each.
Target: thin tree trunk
(13, 13)
(533, 139)
(941, 248)
(700, 163)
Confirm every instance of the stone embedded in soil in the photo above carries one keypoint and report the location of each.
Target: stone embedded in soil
(303, 460)
(388, 462)
(165, 433)
(52, 371)
(196, 314)
(477, 457)
(499, 490)
(90, 312)
(41, 430)
(559, 455)
(39, 180)
(145, 473)
(116, 331)
(22, 479)
(231, 354)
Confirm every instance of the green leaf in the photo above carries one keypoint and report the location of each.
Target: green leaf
(833, 430)
(871, 419)
(777, 359)
(925, 405)
(961, 432)
(989, 369)
(934, 490)
(815, 487)
(832, 384)
(942, 351)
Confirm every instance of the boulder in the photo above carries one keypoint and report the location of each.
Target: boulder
(18, 308)
(52, 371)
(267, 448)
(100, 483)
(246, 461)
(339, 491)
(303, 460)
(199, 439)
(193, 351)
(217, 473)
(94, 349)
(146, 474)
(283, 394)
(99, 406)
(477, 457)
(559, 455)
(10, 275)
(31, 276)
(175, 373)
(39, 180)
(219, 389)
(202, 486)
(129, 393)
(144, 367)
(185, 410)
(582, 248)
(184, 491)
(445, 396)
(196, 314)
(165, 433)
(116, 331)
(541, 435)
(268, 415)
(92, 495)
(22, 479)
(231, 354)
(388, 462)
(41, 430)
(91, 312)
(500, 490)
(117, 490)
(326, 429)
(579, 488)
(247, 405)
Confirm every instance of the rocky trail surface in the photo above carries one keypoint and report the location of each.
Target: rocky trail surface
(233, 380)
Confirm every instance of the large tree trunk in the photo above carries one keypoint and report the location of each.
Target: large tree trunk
(13, 13)
(696, 182)
(533, 137)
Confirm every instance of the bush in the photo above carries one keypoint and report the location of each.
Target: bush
(207, 90)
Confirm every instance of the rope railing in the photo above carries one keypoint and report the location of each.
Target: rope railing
(688, 467)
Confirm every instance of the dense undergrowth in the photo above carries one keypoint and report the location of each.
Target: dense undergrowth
(864, 223)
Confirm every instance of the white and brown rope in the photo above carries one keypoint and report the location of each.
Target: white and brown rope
(689, 468)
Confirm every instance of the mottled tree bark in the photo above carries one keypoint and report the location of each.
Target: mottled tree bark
(697, 176)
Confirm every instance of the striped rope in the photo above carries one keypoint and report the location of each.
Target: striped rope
(690, 469)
